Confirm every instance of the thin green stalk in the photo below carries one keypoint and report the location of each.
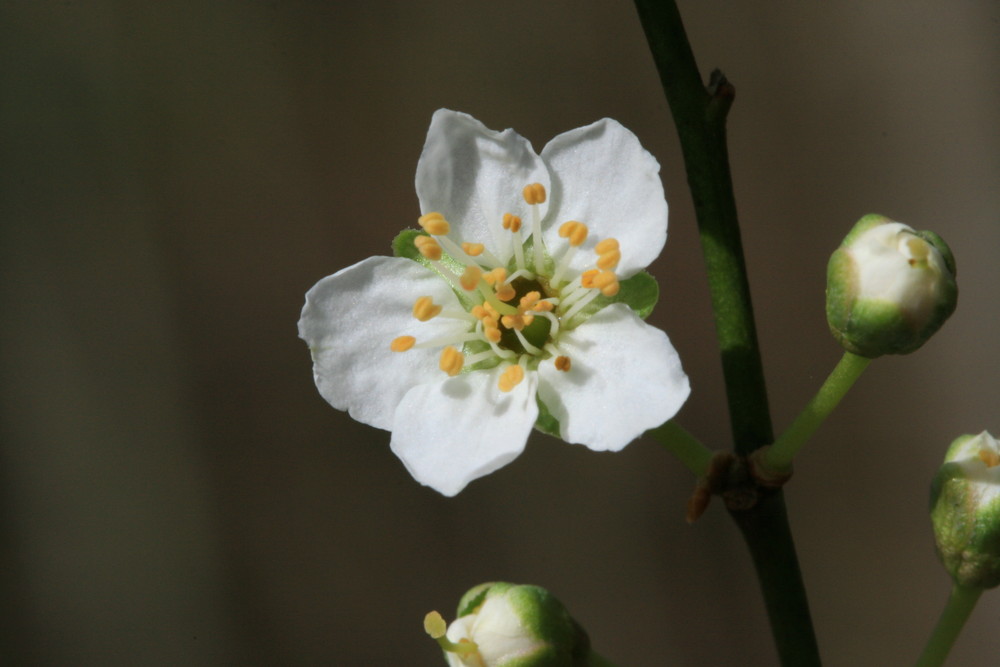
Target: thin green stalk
(778, 456)
(684, 446)
(700, 115)
(956, 612)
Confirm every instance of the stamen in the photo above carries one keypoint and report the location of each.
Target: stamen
(452, 361)
(563, 364)
(606, 246)
(492, 333)
(402, 344)
(609, 260)
(424, 309)
(485, 310)
(458, 314)
(989, 457)
(505, 292)
(522, 273)
(529, 300)
(473, 249)
(481, 356)
(534, 193)
(434, 223)
(587, 278)
(554, 328)
(501, 352)
(563, 264)
(470, 279)
(589, 296)
(428, 247)
(528, 347)
(544, 307)
(510, 378)
(436, 627)
(455, 339)
(575, 231)
(607, 282)
(498, 274)
(454, 250)
(517, 322)
(513, 223)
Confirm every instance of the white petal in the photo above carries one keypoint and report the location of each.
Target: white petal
(501, 633)
(604, 178)
(450, 433)
(349, 321)
(625, 377)
(473, 175)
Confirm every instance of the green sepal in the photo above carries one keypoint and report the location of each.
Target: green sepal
(546, 422)
(473, 599)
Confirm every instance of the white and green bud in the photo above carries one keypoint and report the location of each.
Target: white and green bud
(508, 625)
(965, 511)
(889, 287)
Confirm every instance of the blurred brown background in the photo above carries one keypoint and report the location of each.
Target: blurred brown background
(175, 175)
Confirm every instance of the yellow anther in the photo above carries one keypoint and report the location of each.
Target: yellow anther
(492, 333)
(452, 361)
(605, 246)
(473, 249)
(428, 247)
(534, 193)
(505, 292)
(510, 378)
(575, 231)
(511, 222)
(529, 300)
(479, 312)
(607, 282)
(402, 344)
(434, 223)
(491, 322)
(562, 364)
(587, 278)
(543, 307)
(517, 322)
(609, 260)
(498, 274)
(989, 457)
(470, 279)
(424, 309)
(434, 625)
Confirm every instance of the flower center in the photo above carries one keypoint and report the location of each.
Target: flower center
(516, 309)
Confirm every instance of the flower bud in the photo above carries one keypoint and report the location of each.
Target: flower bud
(508, 625)
(889, 288)
(965, 511)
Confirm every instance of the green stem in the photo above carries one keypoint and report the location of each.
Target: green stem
(956, 612)
(779, 456)
(684, 446)
(700, 116)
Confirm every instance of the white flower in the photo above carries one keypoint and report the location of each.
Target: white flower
(510, 303)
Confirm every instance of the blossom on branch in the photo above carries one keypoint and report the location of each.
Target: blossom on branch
(518, 305)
